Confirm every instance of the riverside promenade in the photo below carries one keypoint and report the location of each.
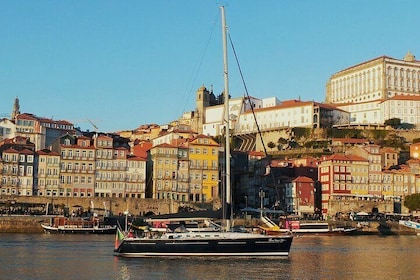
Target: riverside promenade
(32, 224)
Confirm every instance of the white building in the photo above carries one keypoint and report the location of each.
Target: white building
(135, 186)
(364, 89)
(214, 116)
(365, 112)
(406, 108)
(291, 113)
(7, 129)
(270, 102)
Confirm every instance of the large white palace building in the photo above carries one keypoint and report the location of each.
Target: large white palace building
(377, 90)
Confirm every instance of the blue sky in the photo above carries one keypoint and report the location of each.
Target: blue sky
(126, 63)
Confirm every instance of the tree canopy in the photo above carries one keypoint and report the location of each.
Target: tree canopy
(412, 202)
(394, 122)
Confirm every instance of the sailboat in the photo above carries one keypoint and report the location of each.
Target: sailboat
(224, 242)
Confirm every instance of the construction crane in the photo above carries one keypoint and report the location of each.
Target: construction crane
(91, 122)
(94, 125)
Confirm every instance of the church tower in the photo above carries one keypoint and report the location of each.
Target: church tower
(16, 109)
(202, 102)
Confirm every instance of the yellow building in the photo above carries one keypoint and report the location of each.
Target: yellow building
(373, 154)
(204, 175)
(360, 176)
(165, 166)
(186, 171)
(47, 174)
(183, 176)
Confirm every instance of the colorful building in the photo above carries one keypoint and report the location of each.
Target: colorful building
(47, 174)
(203, 164)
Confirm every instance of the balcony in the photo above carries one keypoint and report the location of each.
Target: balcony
(185, 180)
(196, 167)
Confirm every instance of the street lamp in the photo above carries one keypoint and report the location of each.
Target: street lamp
(261, 194)
(246, 207)
(126, 220)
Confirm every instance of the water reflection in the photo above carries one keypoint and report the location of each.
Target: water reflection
(42, 256)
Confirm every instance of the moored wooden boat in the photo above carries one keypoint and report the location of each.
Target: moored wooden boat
(77, 225)
(317, 228)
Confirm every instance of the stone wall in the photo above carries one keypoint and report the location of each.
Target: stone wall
(345, 206)
(21, 224)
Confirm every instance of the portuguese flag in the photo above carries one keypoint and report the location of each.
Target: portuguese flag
(119, 236)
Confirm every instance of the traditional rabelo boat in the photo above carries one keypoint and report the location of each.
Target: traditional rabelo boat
(78, 225)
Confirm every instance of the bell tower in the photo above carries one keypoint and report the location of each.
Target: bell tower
(16, 109)
(202, 102)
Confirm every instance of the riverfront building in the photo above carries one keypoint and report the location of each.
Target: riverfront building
(77, 164)
(186, 170)
(165, 166)
(360, 175)
(47, 174)
(204, 168)
(18, 172)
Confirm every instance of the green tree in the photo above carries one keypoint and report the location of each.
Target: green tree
(407, 126)
(282, 143)
(394, 141)
(394, 122)
(412, 202)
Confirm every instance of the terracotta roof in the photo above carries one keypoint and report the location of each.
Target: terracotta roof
(47, 152)
(90, 147)
(303, 179)
(104, 137)
(296, 103)
(388, 150)
(283, 105)
(403, 97)
(11, 151)
(27, 116)
(345, 157)
(136, 158)
(26, 152)
(166, 145)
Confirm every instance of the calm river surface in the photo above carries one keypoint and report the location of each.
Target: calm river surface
(48, 256)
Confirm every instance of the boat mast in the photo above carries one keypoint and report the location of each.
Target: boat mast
(226, 118)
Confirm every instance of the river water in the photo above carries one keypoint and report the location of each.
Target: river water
(48, 256)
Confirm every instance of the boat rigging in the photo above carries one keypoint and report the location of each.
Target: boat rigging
(180, 241)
